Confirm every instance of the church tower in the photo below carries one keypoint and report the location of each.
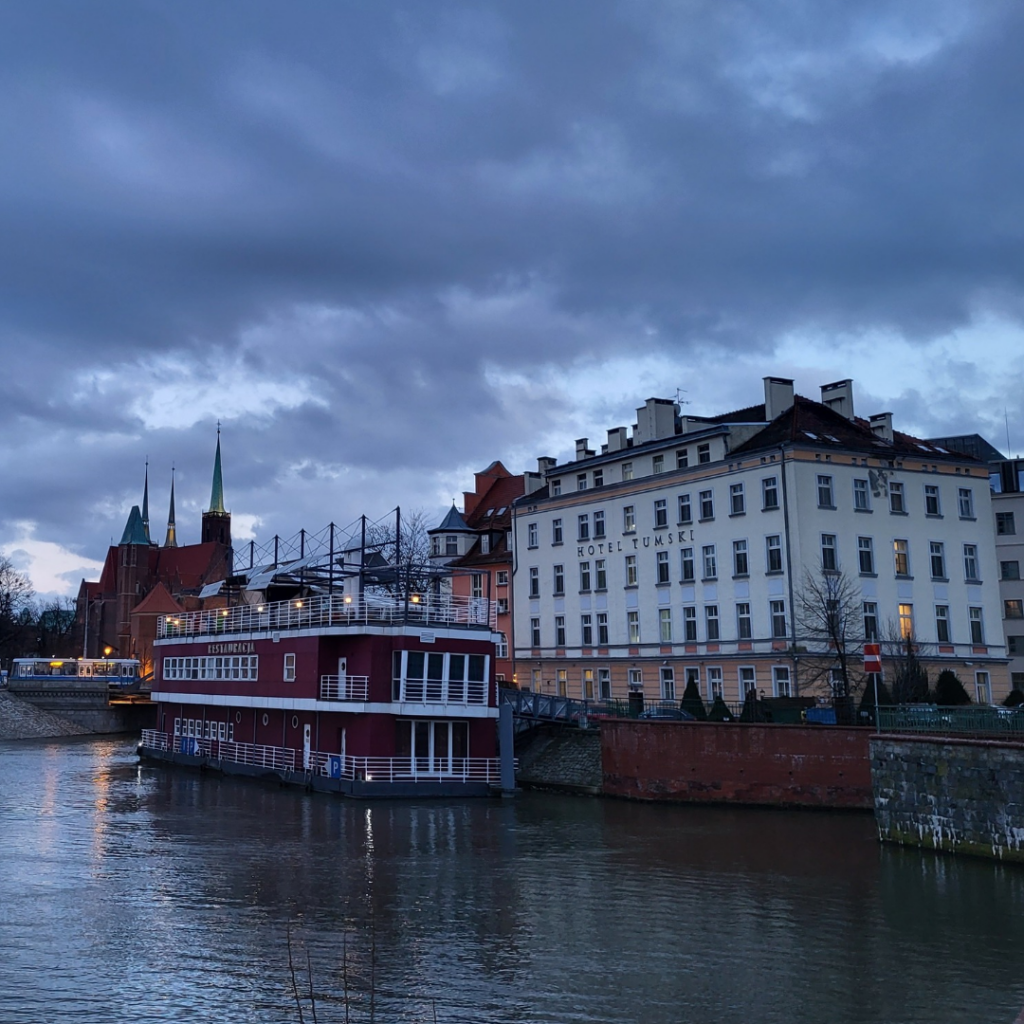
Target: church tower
(171, 541)
(217, 520)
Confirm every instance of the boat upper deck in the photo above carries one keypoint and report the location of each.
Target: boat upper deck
(327, 611)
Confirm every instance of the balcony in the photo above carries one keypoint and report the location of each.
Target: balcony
(333, 610)
(344, 688)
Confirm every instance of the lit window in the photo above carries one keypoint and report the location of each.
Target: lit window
(1013, 609)
(906, 621)
(901, 557)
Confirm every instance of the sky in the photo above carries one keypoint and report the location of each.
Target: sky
(387, 243)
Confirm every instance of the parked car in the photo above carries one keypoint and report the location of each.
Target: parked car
(668, 713)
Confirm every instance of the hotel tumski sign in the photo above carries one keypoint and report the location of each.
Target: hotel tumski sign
(661, 539)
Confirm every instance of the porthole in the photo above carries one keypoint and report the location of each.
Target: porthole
(295, 721)
(266, 719)
(238, 716)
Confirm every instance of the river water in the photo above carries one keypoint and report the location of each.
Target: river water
(129, 892)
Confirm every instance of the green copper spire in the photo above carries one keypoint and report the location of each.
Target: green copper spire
(171, 541)
(134, 532)
(145, 504)
(217, 495)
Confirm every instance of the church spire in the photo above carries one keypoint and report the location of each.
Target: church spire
(217, 494)
(145, 504)
(171, 541)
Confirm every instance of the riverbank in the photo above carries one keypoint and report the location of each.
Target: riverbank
(20, 720)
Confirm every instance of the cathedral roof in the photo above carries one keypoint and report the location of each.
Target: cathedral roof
(134, 530)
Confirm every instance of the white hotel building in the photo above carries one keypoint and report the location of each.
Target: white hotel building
(678, 550)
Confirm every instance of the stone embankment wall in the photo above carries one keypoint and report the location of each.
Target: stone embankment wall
(737, 763)
(556, 757)
(20, 720)
(958, 795)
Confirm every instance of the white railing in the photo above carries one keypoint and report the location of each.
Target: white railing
(444, 691)
(332, 610)
(344, 687)
(337, 766)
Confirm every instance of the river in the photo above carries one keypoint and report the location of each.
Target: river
(132, 893)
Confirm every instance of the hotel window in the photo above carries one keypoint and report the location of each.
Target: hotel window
(559, 579)
(658, 464)
(737, 502)
(1004, 524)
(633, 626)
(773, 553)
(598, 524)
(870, 620)
(711, 622)
(931, 500)
(971, 563)
(556, 488)
(710, 562)
(604, 683)
(502, 577)
(714, 674)
(627, 471)
(937, 556)
(982, 688)
(780, 680)
(629, 519)
(896, 503)
(662, 567)
(825, 497)
(531, 535)
(942, 623)
(584, 576)
(586, 631)
(777, 611)
(602, 629)
(559, 630)
(583, 526)
(686, 559)
(602, 574)
(562, 679)
(685, 512)
(588, 684)
(665, 625)
(1009, 570)
(703, 453)
(965, 502)
(866, 555)
(535, 632)
(690, 625)
(769, 493)
(534, 581)
(707, 505)
(581, 481)
(901, 557)
(289, 668)
(635, 677)
(829, 557)
(1013, 609)
(682, 460)
(743, 628)
(906, 621)
(660, 513)
(599, 478)
(501, 647)
(977, 626)
(668, 683)
(556, 531)
(861, 501)
(740, 566)
(748, 680)
(631, 573)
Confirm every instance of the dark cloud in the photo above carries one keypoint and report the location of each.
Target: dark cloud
(355, 218)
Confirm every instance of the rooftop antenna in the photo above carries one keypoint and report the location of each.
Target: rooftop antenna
(1006, 420)
(679, 397)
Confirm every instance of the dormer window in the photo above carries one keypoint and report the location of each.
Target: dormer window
(485, 544)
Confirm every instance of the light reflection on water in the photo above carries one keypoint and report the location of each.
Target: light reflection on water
(127, 892)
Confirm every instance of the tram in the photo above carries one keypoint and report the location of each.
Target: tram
(120, 674)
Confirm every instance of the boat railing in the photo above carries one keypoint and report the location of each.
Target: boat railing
(333, 610)
(344, 688)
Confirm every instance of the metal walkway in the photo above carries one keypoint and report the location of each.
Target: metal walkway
(528, 707)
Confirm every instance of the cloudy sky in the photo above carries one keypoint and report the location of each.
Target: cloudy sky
(386, 243)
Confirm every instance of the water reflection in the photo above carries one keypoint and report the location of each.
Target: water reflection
(170, 895)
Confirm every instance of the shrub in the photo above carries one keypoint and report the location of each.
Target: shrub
(691, 702)
(949, 691)
(753, 710)
(1015, 699)
(720, 712)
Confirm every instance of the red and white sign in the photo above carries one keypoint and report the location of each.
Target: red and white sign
(872, 658)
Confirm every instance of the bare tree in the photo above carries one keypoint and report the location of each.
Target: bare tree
(830, 624)
(56, 627)
(406, 550)
(16, 611)
(908, 678)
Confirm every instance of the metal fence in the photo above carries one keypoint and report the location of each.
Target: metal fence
(965, 720)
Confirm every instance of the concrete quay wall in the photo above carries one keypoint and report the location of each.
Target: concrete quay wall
(737, 763)
(957, 795)
(556, 757)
